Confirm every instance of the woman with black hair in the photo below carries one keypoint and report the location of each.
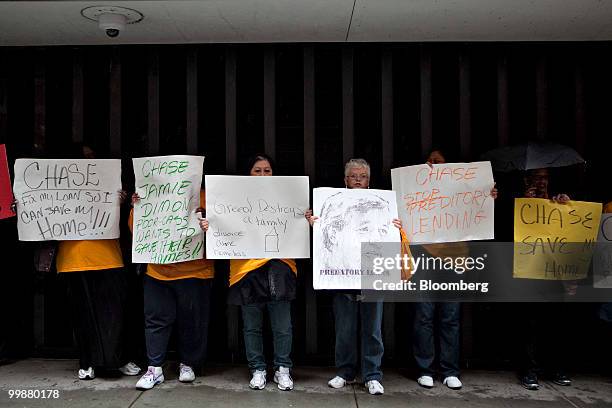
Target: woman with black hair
(258, 284)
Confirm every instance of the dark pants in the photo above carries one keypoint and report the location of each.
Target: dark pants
(280, 321)
(447, 318)
(184, 302)
(348, 315)
(605, 316)
(543, 330)
(98, 301)
(134, 346)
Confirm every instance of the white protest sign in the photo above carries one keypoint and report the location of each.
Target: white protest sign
(257, 217)
(602, 258)
(67, 199)
(348, 217)
(445, 202)
(166, 228)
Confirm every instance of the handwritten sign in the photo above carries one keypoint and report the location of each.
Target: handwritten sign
(257, 217)
(348, 218)
(554, 241)
(6, 194)
(445, 202)
(166, 228)
(67, 199)
(602, 259)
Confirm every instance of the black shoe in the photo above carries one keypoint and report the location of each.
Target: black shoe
(561, 379)
(530, 381)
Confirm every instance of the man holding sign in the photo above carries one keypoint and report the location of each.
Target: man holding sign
(178, 281)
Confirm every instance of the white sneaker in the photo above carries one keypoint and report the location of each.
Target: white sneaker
(338, 382)
(452, 382)
(130, 369)
(258, 381)
(283, 378)
(375, 387)
(151, 378)
(88, 374)
(186, 373)
(426, 381)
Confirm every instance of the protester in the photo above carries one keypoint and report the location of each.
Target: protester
(543, 326)
(176, 295)
(605, 315)
(446, 315)
(350, 312)
(97, 286)
(260, 284)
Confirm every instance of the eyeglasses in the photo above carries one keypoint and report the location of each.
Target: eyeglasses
(358, 178)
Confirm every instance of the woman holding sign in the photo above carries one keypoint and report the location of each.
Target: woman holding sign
(98, 289)
(444, 314)
(350, 313)
(543, 324)
(264, 284)
(176, 294)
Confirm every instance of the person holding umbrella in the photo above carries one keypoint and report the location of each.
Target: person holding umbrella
(542, 331)
(537, 322)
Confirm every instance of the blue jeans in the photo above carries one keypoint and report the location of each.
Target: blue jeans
(184, 303)
(424, 345)
(348, 314)
(280, 321)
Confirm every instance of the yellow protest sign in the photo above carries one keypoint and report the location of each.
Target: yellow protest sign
(554, 241)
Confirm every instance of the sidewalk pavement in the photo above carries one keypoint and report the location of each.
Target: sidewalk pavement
(227, 386)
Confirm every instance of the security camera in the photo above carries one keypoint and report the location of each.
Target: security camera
(112, 23)
(112, 19)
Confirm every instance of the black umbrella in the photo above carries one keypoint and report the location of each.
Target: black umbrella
(532, 155)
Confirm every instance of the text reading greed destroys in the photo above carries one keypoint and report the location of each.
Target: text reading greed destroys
(165, 224)
(257, 217)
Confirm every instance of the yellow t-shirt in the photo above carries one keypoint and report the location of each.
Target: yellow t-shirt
(197, 268)
(90, 255)
(239, 268)
(448, 249)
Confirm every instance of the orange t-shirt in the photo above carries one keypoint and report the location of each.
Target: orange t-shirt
(239, 268)
(89, 255)
(197, 268)
(608, 207)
